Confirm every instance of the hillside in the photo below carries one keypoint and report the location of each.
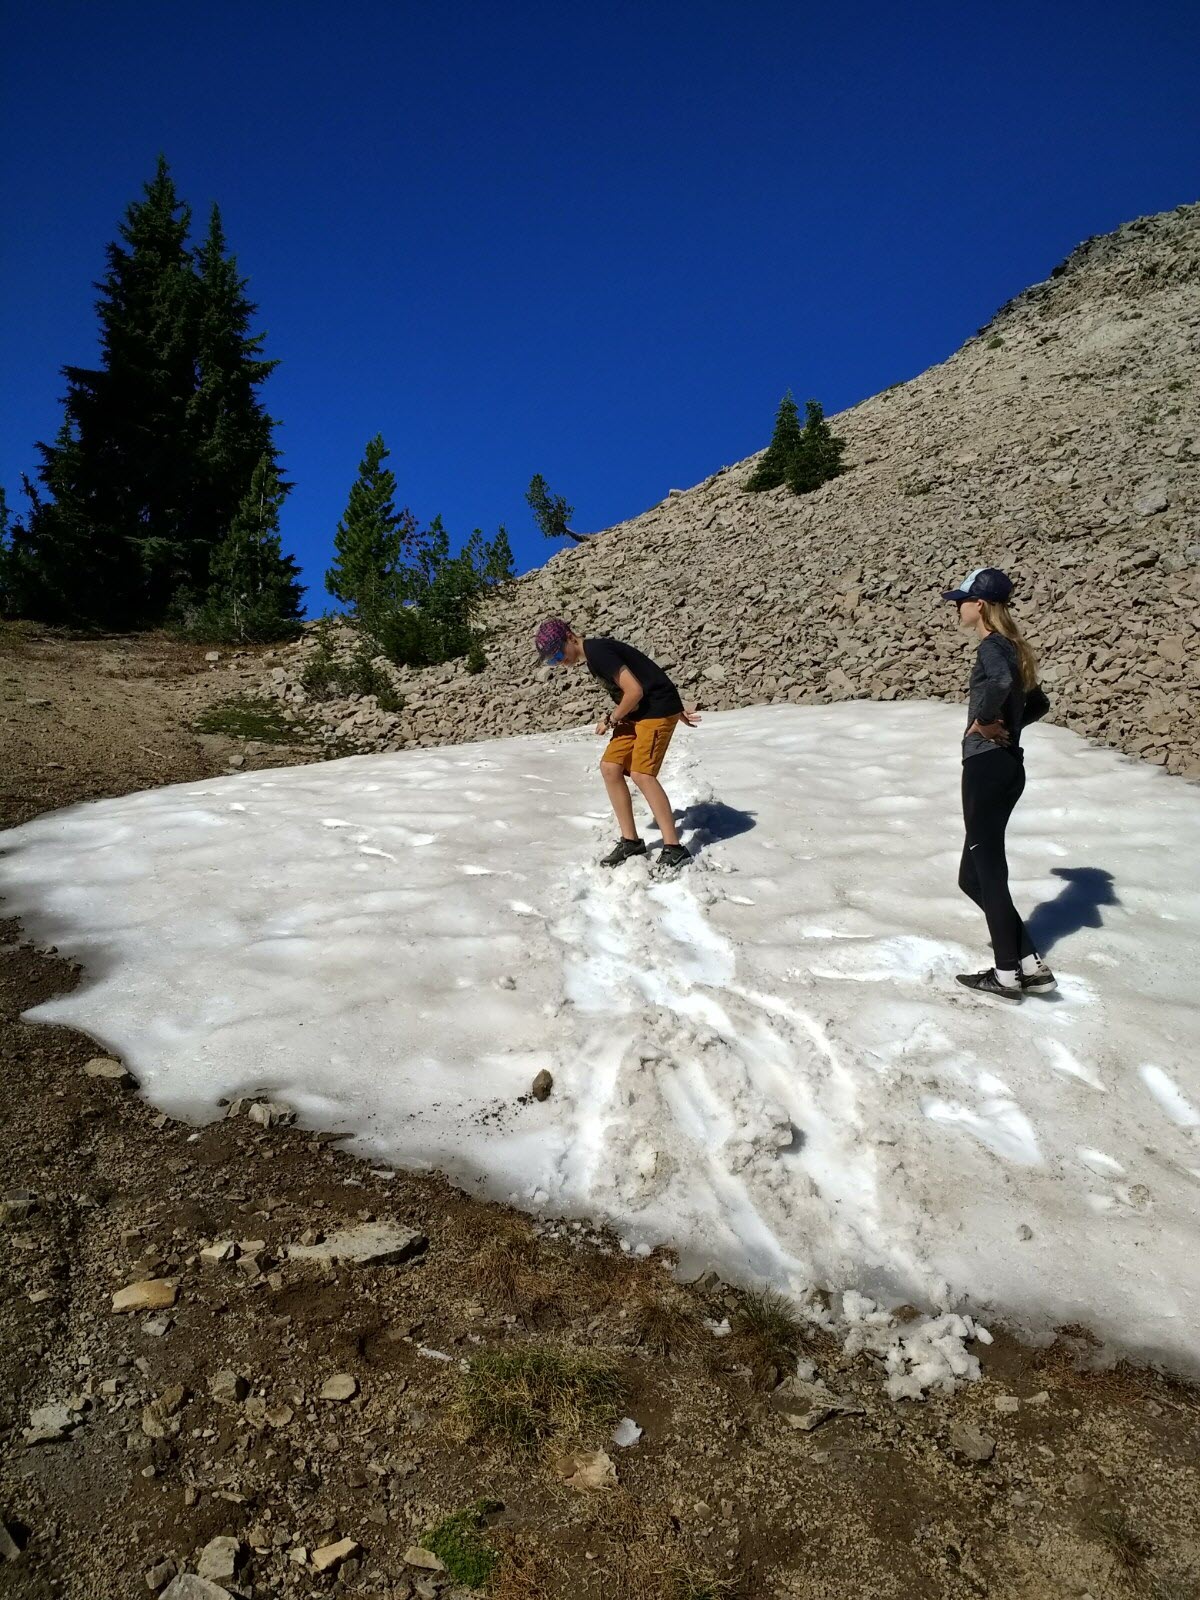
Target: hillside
(1062, 442)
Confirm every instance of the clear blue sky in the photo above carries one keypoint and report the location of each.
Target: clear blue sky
(596, 242)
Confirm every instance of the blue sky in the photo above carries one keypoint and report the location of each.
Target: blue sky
(595, 242)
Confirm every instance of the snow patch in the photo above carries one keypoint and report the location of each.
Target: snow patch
(764, 1062)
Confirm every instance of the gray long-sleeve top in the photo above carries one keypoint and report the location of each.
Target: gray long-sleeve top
(996, 694)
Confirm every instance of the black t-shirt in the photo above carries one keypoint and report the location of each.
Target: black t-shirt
(606, 657)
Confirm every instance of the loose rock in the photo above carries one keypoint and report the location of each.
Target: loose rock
(971, 1443)
(152, 1294)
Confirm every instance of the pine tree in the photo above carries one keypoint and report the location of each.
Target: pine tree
(253, 594)
(551, 511)
(773, 469)
(109, 546)
(498, 566)
(371, 537)
(818, 455)
(230, 428)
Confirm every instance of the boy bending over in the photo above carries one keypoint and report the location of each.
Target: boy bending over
(646, 709)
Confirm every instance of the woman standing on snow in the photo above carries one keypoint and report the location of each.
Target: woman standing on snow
(1004, 698)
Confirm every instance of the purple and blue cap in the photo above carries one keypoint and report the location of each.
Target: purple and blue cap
(985, 583)
(551, 637)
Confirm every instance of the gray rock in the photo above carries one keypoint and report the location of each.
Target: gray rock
(106, 1067)
(270, 1113)
(50, 1422)
(806, 1405)
(220, 1559)
(1149, 501)
(366, 1244)
(971, 1443)
(340, 1388)
(187, 1586)
(542, 1085)
(228, 1388)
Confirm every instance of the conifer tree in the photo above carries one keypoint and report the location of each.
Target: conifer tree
(230, 428)
(773, 469)
(159, 441)
(818, 454)
(371, 537)
(498, 567)
(551, 511)
(108, 547)
(253, 594)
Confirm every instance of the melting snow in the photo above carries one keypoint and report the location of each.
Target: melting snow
(765, 1063)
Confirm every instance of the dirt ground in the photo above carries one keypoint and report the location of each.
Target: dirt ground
(196, 1434)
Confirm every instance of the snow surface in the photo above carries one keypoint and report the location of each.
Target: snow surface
(765, 1063)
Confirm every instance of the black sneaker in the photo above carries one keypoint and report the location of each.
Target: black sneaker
(671, 857)
(624, 851)
(1040, 981)
(988, 983)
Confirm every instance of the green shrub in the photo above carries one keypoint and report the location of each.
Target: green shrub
(245, 718)
(328, 677)
(456, 1542)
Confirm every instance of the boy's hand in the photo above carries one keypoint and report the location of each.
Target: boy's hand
(691, 718)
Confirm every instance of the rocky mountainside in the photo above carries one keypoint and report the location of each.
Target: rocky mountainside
(1062, 442)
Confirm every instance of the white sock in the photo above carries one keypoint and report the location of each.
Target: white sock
(1007, 978)
(1030, 964)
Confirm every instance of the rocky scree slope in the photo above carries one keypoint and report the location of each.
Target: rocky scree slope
(1062, 442)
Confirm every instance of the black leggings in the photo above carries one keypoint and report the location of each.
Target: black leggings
(992, 783)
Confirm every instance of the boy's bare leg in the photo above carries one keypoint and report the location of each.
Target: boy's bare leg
(656, 798)
(620, 797)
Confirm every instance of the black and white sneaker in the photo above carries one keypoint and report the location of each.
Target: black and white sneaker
(988, 983)
(1040, 981)
(625, 850)
(671, 857)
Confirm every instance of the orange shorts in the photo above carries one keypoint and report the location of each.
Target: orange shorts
(641, 749)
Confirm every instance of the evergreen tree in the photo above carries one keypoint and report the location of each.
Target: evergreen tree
(818, 455)
(551, 512)
(371, 537)
(108, 547)
(254, 594)
(231, 431)
(499, 567)
(773, 469)
(160, 440)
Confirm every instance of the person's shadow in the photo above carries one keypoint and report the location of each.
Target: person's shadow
(1077, 905)
(712, 821)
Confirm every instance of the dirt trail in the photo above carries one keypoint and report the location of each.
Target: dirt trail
(1044, 1480)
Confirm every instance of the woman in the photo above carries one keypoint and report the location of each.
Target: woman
(1004, 698)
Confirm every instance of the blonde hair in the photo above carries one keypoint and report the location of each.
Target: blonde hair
(999, 619)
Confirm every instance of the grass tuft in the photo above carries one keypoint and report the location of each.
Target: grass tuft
(520, 1399)
(502, 1271)
(766, 1330)
(1110, 1529)
(456, 1541)
(688, 1583)
(246, 718)
(664, 1326)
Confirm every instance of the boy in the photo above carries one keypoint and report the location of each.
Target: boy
(646, 709)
